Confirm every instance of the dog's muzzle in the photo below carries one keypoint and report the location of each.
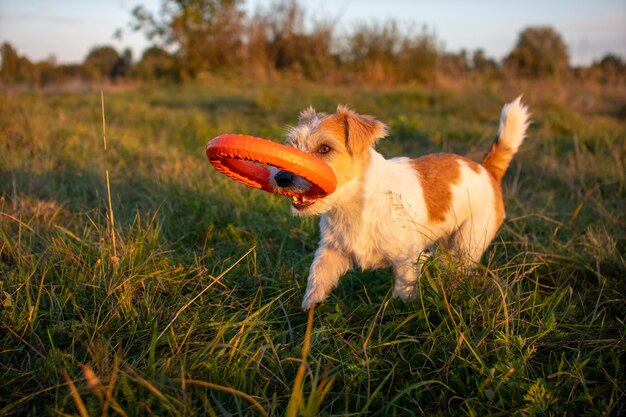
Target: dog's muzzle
(284, 178)
(288, 180)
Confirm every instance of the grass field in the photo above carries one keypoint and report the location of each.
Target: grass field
(194, 307)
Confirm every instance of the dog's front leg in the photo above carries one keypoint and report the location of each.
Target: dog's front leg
(328, 266)
(405, 280)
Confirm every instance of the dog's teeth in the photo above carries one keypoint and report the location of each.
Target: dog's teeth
(300, 200)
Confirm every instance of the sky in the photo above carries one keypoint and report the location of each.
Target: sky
(68, 29)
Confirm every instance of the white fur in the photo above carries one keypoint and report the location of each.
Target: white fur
(513, 124)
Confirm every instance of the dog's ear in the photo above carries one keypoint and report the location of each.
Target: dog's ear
(360, 132)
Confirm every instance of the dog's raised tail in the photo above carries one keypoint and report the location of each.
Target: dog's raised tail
(511, 134)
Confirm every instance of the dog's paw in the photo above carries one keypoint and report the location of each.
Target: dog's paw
(405, 292)
(312, 297)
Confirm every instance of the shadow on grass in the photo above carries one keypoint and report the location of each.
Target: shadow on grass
(188, 217)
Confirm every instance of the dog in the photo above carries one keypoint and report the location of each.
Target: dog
(388, 212)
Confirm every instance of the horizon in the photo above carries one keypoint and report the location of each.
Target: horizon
(591, 30)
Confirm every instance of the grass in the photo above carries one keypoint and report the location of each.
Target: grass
(196, 309)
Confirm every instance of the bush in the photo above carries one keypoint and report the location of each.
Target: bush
(539, 51)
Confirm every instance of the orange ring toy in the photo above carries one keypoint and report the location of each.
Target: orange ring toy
(237, 156)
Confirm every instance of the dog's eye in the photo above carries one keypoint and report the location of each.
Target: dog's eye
(324, 149)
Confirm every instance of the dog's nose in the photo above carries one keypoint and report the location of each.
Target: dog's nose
(283, 178)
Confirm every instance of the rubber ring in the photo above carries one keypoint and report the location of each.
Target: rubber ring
(238, 157)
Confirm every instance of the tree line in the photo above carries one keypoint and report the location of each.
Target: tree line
(194, 37)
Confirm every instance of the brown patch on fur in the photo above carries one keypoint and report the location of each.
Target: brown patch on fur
(437, 173)
(358, 131)
(331, 131)
(334, 126)
(497, 160)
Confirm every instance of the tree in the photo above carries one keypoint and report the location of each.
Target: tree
(122, 66)
(481, 63)
(15, 68)
(539, 51)
(418, 56)
(454, 65)
(389, 52)
(46, 72)
(609, 69)
(290, 46)
(156, 64)
(101, 61)
(206, 33)
(10, 59)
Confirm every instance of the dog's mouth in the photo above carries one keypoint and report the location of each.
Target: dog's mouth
(300, 202)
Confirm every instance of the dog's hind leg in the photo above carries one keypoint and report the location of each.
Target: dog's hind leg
(470, 241)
